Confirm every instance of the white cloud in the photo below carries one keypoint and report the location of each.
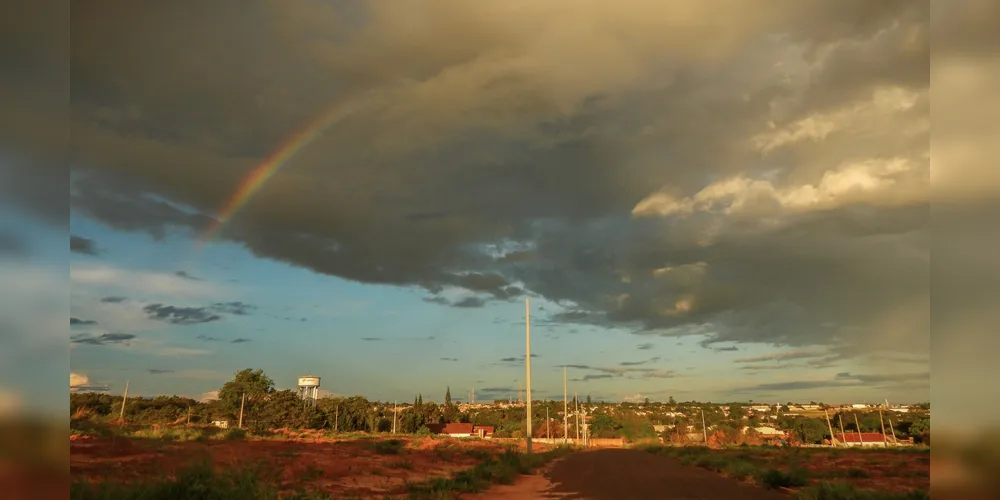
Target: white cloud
(634, 398)
(77, 379)
(209, 396)
(143, 282)
(864, 180)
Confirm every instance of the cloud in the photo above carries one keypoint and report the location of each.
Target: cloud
(141, 282)
(81, 322)
(239, 340)
(237, 308)
(644, 346)
(186, 275)
(727, 349)
(449, 359)
(209, 396)
(12, 245)
(637, 363)
(782, 356)
(180, 315)
(627, 370)
(847, 380)
(114, 300)
(81, 245)
(372, 339)
(665, 167)
(159, 371)
(207, 338)
(76, 379)
(102, 339)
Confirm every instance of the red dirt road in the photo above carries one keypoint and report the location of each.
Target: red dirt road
(622, 474)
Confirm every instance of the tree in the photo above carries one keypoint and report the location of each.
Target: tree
(645, 401)
(672, 401)
(255, 386)
(588, 399)
(447, 396)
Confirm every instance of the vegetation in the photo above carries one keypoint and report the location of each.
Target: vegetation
(500, 470)
(267, 408)
(773, 468)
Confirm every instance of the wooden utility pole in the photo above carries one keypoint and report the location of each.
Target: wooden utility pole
(828, 424)
(527, 366)
(894, 440)
(394, 417)
(188, 421)
(843, 435)
(243, 401)
(861, 439)
(547, 436)
(336, 418)
(586, 429)
(885, 439)
(565, 410)
(121, 414)
(576, 413)
(704, 429)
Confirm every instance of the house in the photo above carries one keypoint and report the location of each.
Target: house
(460, 430)
(222, 424)
(483, 431)
(862, 439)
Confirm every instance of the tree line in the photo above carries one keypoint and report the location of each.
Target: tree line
(265, 407)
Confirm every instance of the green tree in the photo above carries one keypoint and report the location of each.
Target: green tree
(252, 384)
(672, 401)
(588, 399)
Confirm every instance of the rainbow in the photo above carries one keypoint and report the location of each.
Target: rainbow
(263, 172)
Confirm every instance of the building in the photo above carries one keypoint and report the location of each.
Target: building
(462, 430)
(862, 439)
(222, 424)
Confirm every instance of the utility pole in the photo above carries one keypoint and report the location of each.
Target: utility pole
(243, 400)
(586, 429)
(547, 437)
(565, 410)
(885, 439)
(861, 440)
(894, 440)
(576, 413)
(527, 365)
(828, 424)
(704, 430)
(394, 417)
(121, 414)
(843, 435)
(336, 418)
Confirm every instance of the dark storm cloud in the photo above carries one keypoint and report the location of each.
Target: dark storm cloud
(186, 275)
(628, 370)
(637, 363)
(114, 300)
(237, 308)
(12, 245)
(81, 322)
(180, 315)
(509, 154)
(240, 340)
(81, 245)
(470, 302)
(102, 339)
(846, 379)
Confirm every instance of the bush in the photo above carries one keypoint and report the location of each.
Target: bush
(199, 482)
(774, 478)
(844, 491)
(388, 447)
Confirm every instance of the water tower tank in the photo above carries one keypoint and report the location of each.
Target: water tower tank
(308, 381)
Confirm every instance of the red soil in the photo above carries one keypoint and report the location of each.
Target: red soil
(345, 467)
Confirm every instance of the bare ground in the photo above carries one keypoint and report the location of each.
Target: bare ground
(621, 474)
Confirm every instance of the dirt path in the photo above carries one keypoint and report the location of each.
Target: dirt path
(626, 474)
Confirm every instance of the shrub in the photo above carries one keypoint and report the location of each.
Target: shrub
(388, 446)
(774, 478)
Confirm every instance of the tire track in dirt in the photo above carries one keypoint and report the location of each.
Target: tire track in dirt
(621, 474)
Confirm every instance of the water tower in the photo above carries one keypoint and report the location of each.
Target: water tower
(309, 388)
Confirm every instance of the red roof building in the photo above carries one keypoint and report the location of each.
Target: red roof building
(864, 439)
(462, 430)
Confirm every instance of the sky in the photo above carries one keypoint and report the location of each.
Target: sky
(705, 200)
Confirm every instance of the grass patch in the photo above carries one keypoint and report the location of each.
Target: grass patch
(502, 469)
(388, 446)
(844, 491)
(774, 478)
(198, 482)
